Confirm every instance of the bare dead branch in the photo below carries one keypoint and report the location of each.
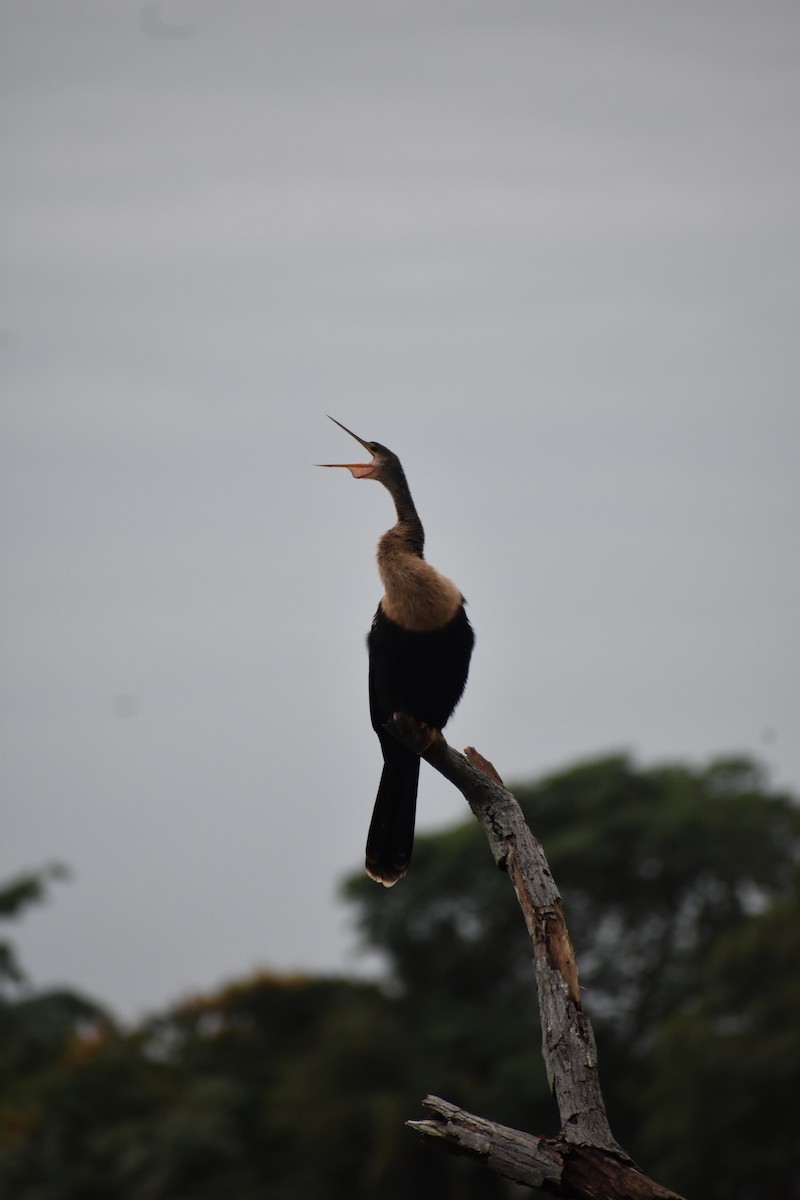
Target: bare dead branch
(585, 1160)
(560, 1168)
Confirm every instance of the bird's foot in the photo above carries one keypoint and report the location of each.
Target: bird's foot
(417, 734)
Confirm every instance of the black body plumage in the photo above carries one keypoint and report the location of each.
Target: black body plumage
(422, 674)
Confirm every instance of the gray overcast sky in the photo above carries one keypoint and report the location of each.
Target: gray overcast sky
(547, 252)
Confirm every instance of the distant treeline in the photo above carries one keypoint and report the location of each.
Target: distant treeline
(682, 896)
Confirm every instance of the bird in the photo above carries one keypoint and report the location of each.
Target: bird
(419, 648)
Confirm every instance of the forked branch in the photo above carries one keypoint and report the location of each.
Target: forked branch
(584, 1160)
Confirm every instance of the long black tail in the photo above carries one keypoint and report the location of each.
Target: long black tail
(391, 832)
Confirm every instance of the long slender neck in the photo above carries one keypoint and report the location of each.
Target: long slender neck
(408, 527)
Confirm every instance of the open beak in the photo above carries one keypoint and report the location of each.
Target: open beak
(357, 470)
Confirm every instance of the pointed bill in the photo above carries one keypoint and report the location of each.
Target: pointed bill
(357, 470)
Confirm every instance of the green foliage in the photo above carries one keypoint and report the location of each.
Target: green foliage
(741, 1035)
(655, 866)
(15, 897)
(682, 896)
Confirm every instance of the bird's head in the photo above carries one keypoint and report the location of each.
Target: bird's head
(382, 466)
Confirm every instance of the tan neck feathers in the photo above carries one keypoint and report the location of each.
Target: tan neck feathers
(416, 596)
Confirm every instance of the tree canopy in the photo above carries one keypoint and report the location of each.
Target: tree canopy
(682, 895)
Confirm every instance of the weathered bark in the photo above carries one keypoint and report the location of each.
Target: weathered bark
(585, 1160)
(552, 1164)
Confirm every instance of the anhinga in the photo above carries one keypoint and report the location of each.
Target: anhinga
(419, 650)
